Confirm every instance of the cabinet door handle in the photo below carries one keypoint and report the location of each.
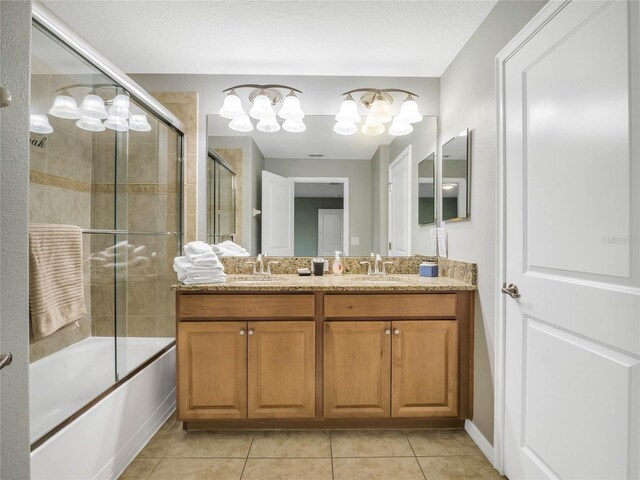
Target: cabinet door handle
(396, 332)
(241, 332)
(250, 332)
(387, 332)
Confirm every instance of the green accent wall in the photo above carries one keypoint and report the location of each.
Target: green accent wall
(305, 240)
(449, 208)
(426, 213)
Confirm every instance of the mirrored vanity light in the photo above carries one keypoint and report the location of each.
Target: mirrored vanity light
(120, 107)
(65, 106)
(370, 128)
(264, 98)
(398, 128)
(139, 123)
(117, 123)
(242, 124)
(345, 128)
(93, 106)
(90, 124)
(39, 123)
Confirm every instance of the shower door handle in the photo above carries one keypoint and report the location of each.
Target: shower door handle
(5, 360)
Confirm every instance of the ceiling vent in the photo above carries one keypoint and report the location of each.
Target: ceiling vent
(316, 155)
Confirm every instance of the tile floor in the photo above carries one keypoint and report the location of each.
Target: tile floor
(310, 455)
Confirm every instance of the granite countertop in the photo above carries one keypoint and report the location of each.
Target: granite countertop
(339, 283)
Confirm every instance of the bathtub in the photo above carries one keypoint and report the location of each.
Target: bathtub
(101, 441)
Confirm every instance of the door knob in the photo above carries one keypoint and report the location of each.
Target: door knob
(241, 332)
(387, 332)
(250, 332)
(396, 332)
(511, 290)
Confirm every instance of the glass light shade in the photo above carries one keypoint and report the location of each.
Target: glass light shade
(348, 111)
(120, 107)
(294, 126)
(39, 123)
(268, 125)
(117, 123)
(379, 112)
(372, 128)
(291, 109)
(65, 106)
(90, 124)
(139, 123)
(409, 112)
(262, 109)
(242, 124)
(399, 128)
(93, 106)
(345, 128)
(232, 107)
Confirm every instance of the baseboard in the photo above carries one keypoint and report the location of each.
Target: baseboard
(480, 440)
(134, 446)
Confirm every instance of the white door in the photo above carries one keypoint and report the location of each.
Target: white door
(329, 231)
(277, 215)
(400, 204)
(572, 213)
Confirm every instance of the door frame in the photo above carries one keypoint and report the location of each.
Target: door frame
(345, 202)
(547, 12)
(406, 153)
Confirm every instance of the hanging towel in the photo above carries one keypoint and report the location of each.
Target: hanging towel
(56, 291)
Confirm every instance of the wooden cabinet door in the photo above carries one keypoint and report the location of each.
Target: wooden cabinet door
(282, 369)
(356, 369)
(212, 370)
(425, 368)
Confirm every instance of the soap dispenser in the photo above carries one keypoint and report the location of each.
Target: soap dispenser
(337, 264)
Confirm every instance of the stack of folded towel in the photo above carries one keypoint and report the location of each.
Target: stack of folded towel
(199, 265)
(229, 249)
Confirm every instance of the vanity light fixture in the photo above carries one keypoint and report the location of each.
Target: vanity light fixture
(378, 102)
(449, 186)
(39, 123)
(263, 99)
(65, 106)
(93, 106)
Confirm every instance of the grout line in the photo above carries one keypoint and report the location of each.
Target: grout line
(246, 459)
(331, 453)
(415, 456)
(153, 470)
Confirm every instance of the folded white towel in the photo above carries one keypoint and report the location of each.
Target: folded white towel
(183, 265)
(199, 253)
(229, 245)
(222, 251)
(196, 280)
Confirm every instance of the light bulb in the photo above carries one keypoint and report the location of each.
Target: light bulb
(399, 128)
(268, 125)
(139, 123)
(291, 108)
(93, 106)
(242, 124)
(379, 112)
(65, 106)
(90, 124)
(262, 108)
(294, 126)
(409, 112)
(372, 128)
(232, 107)
(39, 123)
(345, 128)
(348, 111)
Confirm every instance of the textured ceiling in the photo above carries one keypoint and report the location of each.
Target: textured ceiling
(303, 37)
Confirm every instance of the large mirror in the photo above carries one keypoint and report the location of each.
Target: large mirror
(427, 191)
(311, 193)
(456, 178)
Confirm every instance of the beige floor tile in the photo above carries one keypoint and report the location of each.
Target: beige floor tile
(469, 467)
(198, 469)
(287, 469)
(210, 444)
(157, 447)
(291, 445)
(396, 468)
(369, 443)
(438, 443)
(140, 469)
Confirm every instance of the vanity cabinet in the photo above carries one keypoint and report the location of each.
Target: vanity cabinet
(324, 359)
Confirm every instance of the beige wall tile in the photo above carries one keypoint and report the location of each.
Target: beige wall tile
(141, 326)
(141, 295)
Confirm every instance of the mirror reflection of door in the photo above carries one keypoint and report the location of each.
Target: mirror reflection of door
(426, 190)
(400, 204)
(222, 200)
(455, 178)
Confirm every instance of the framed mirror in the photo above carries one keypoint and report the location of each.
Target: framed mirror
(427, 190)
(337, 186)
(455, 187)
(221, 204)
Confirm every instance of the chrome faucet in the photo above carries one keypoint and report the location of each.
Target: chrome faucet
(377, 262)
(260, 261)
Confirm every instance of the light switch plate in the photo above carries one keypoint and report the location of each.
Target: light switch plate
(355, 241)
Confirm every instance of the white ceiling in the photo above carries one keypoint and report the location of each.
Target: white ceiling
(303, 37)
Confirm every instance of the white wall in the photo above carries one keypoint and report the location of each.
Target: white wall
(468, 100)
(15, 42)
(321, 97)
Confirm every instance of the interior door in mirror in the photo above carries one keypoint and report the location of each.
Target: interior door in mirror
(427, 190)
(456, 169)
